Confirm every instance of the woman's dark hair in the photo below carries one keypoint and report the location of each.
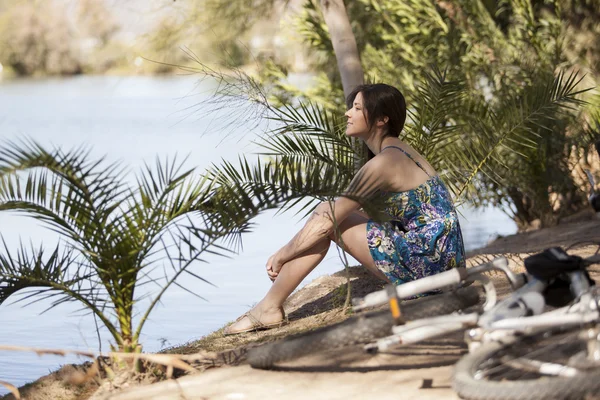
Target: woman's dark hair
(381, 100)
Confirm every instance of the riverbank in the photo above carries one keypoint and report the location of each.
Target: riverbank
(423, 370)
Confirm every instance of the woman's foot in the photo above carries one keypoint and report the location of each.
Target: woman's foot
(257, 319)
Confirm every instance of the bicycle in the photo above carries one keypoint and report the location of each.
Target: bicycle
(492, 333)
(501, 364)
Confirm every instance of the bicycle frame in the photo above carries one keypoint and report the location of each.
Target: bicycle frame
(520, 313)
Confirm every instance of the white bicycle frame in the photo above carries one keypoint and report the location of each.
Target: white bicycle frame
(520, 313)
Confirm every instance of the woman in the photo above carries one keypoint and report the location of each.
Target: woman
(421, 238)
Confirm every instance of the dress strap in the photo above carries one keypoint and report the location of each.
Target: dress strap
(409, 156)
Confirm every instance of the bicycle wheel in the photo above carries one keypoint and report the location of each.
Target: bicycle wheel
(359, 329)
(548, 365)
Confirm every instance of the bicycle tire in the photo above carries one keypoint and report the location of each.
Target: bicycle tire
(359, 329)
(471, 381)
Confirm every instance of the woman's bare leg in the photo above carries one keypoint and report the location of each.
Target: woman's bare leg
(354, 238)
(269, 310)
(293, 273)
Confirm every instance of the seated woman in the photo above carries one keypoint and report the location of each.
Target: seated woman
(422, 236)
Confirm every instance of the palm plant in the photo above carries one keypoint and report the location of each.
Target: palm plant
(114, 237)
(308, 154)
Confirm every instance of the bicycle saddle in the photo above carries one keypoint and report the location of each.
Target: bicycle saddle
(550, 265)
(552, 262)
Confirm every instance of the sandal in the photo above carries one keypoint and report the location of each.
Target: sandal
(256, 325)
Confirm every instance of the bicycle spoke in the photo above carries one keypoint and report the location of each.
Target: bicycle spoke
(544, 368)
(546, 357)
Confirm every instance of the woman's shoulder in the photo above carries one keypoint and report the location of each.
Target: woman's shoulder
(376, 163)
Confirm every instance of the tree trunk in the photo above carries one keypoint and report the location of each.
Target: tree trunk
(344, 44)
(348, 59)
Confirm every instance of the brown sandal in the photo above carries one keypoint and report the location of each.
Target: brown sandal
(256, 325)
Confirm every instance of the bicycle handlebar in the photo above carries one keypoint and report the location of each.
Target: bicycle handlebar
(446, 279)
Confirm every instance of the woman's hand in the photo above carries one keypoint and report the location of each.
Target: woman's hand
(274, 265)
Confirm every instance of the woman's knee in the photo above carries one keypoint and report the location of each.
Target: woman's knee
(323, 210)
(350, 222)
(323, 207)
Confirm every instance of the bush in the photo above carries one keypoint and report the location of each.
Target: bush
(37, 38)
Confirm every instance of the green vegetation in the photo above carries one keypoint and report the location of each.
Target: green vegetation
(35, 37)
(309, 156)
(38, 38)
(502, 54)
(66, 37)
(115, 239)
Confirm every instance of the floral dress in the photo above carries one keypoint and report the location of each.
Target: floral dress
(423, 235)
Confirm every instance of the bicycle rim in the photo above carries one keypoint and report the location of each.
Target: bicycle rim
(557, 364)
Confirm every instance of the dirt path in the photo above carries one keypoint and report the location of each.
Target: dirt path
(407, 377)
(585, 230)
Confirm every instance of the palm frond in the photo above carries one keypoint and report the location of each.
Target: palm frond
(31, 268)
(40, 277)
(85, 179)
(523, 118)
(285, 181)
(433, 117)
(64, 190)
(309, 130)
(115, 233)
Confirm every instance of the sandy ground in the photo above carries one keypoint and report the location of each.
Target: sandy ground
(246, 383)
(421, 371)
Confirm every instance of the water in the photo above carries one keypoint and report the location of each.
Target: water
(134, 119)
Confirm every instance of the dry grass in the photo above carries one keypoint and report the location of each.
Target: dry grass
(317, 304)
(119, 369)
(57, 386)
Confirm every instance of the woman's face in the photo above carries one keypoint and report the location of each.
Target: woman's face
(357, 123)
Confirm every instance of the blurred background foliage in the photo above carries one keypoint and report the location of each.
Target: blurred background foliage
(497, 50)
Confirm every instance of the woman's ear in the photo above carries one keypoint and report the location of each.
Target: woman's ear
(382, 121)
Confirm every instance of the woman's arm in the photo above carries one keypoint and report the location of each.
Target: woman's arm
(320, 225)
(327, 216)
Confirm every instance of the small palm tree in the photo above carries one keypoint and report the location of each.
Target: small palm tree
(112, 236)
